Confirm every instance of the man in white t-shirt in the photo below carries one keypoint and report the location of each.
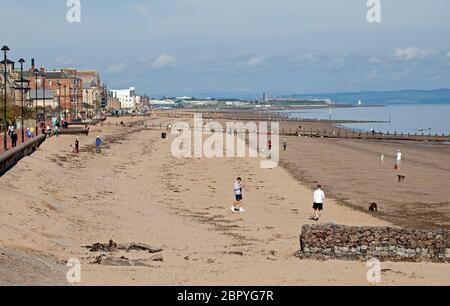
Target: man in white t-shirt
(398, 161)
(238, 186)
(319, 197)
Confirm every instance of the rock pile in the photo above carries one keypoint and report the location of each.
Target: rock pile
(384, 243)
(122, 261)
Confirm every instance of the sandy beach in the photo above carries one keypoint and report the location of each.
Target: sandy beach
(54, 203)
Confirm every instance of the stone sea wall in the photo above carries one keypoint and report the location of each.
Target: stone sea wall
(332, 241)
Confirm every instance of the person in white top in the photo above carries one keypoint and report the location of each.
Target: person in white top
(398, 161)
(238, 186)
(319, 197)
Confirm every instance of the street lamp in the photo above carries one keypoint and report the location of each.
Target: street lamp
(5, 49)
(43, 96)
(21, 61)
(59, 100)
(36, 74)
(65, 103)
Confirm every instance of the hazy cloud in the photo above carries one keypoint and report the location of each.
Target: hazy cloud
(253, 61)
(62, 61)
(141, 9)
(116, 68)
(413, 53)
(163, 61)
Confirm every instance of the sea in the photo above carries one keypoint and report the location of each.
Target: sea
(412, 118)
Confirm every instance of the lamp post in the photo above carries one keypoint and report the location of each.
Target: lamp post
(21, 61)
(59, 100)
(65, 102)
(5, 49)
(36, 74)
(43, 96)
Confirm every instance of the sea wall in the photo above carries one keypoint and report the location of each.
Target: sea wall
(332, 241)
(10, 158)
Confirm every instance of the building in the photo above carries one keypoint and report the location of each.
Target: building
(66, 86)
(14, 85)
(44, 99)
(126, 97)
(113, 104)
(93, 90)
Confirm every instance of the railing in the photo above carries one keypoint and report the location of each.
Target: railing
(10, 158)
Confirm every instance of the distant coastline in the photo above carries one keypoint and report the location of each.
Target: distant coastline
(436, 96)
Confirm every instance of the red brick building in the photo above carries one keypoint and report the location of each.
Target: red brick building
(67, 88)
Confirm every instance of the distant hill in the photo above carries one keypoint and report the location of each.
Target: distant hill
(437, 96)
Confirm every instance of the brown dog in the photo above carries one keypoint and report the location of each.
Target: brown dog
(373, 207)
(401, 179)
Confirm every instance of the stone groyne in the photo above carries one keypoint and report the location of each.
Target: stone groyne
(332, 241)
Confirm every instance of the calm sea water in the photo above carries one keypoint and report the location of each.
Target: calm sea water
(404, 118)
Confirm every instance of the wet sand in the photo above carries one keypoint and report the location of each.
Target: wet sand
(352, 172)
(136, 191)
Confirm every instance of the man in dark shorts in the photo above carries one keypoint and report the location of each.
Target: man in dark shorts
(238, 186)
(319, 197)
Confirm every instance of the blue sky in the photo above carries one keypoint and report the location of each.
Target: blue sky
(238, 47)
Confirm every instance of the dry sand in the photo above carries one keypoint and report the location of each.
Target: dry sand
(53, 203)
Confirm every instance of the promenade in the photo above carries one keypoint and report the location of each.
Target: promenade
(19, 140)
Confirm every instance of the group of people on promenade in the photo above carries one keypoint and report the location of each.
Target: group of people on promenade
(11, 131)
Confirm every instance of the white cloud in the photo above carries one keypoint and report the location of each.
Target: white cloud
(163, 61)
(448, 54)
(413, 53)
(116, 68)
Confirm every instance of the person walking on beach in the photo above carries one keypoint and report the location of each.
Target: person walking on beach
(77, 146)
(382, 159)
(238, 187)
(398, 161)
(319, 197)
(98, 143)
(285, 143)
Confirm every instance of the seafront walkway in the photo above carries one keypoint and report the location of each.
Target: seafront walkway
(9, 144)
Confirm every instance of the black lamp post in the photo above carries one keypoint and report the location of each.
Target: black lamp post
(59, 100)
(5, 49)
(36, 74)
(65, 103)
(43, 96)
(21, 61)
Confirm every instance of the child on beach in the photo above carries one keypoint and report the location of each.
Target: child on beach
(285, 144)
(98, 144)
(398, 161)
(77, 146)
(319, 197)
(238, 186)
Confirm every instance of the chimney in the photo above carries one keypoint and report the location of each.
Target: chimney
(32, 64)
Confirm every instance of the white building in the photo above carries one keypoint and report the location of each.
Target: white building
(126, 97)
